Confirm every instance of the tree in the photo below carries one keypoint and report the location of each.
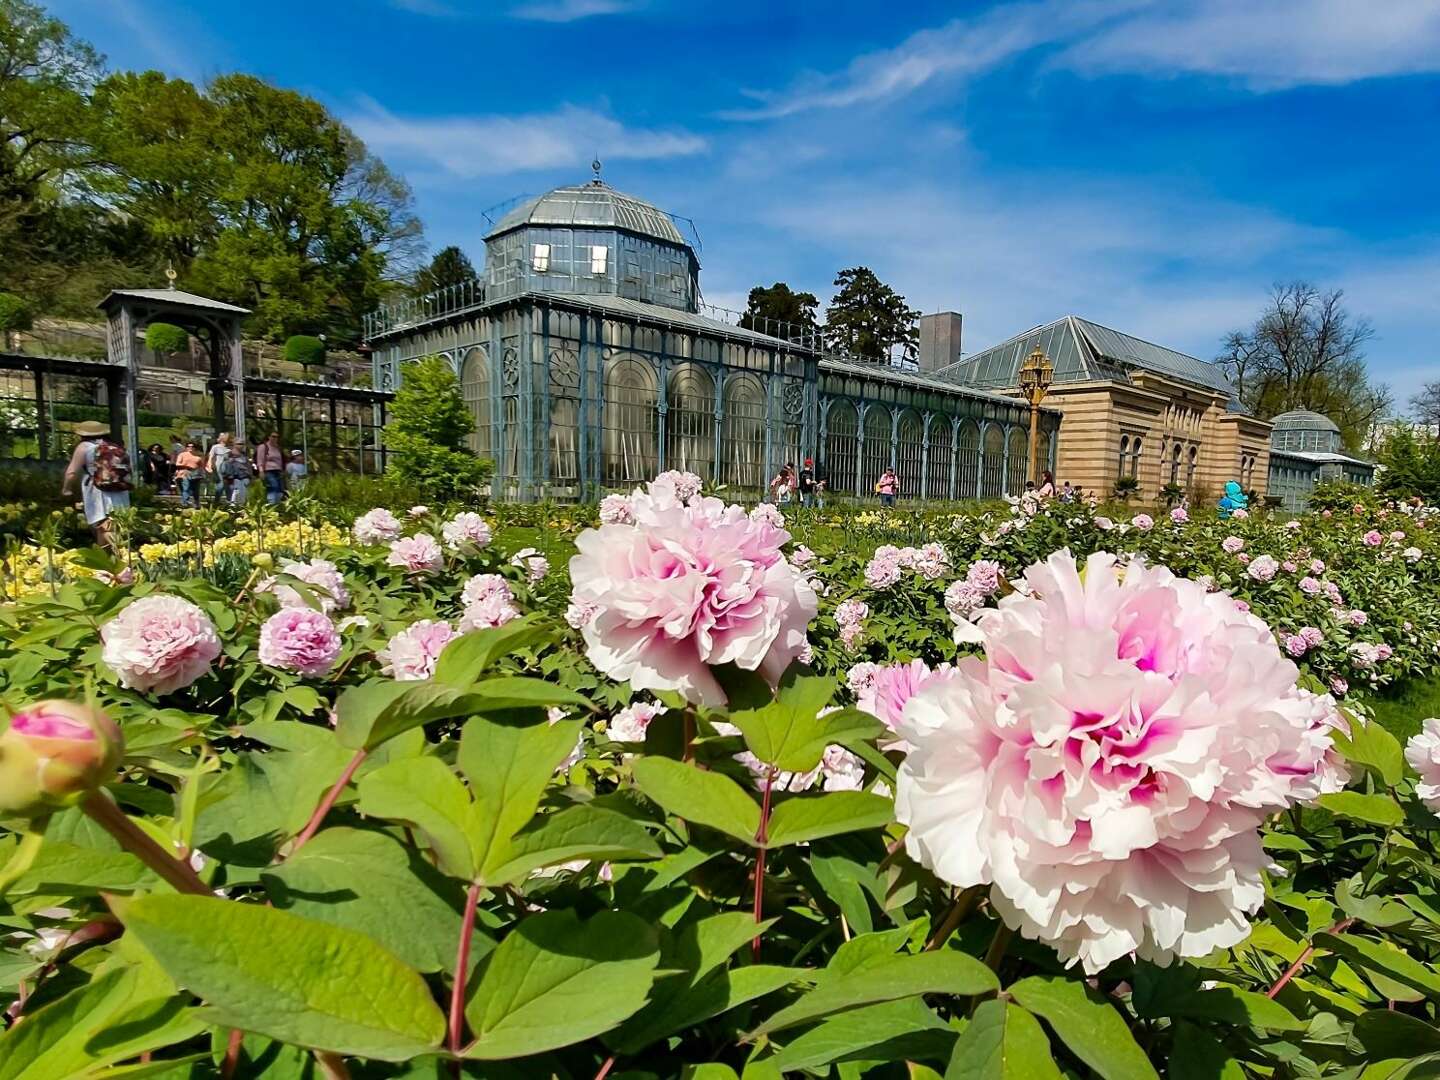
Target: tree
(450, 266)
(1409, 464)
(781, 312)
(429, 421)
(1426, 405)
(1306, 351)
(868, 319)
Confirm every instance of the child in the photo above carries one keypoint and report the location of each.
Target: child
(295, 470)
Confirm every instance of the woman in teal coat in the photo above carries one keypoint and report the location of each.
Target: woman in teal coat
(1233, 499)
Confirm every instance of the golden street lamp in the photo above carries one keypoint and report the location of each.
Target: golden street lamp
(1036, 375)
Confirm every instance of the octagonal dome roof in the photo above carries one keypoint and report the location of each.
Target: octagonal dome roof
(594, 205)
(1304, 420)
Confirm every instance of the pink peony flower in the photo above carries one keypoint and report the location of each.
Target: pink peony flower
(1373, 538)
(1104, 524)
(1289, 567)
(1326, 514)
(1397, 535)
(802, 556)
(1317, 566)
(1309, 586)
(410, 655)
(577, 616)
(1179, 515)
(418, 511)
(299, 639)
(1423, 754)
(1240, 513)
(985, 576)
(1356, 617)
(53, 754)
(159, 644)
(1412, 554)
(1293, 525)
(1296, 645)
(535, 565)
(677, 485)
(326, 585)
(1263, 568)
(466, 530)
(1143, 522)
(932, 561)
(631, 722)
(1107, 765)
(889, 687)
(489, 611)
(768, 514)
(1232, 545)
(1241, 606)
(418, 554)
(615, 510)
(1339, 687)
(482, 586)
(1312, 636)
(883, 569)
(377, 526)
(689, 585)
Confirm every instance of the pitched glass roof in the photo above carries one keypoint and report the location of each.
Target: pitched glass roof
(593, 205)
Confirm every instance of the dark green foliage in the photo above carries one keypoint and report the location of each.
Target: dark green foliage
(305, 349)
(14, 313)
(450, 266)
(780, 312)
(426, 434)
(166, 338)
(867, 318)
(1411, 464)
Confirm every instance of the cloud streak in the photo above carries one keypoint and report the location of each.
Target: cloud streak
(564, 11)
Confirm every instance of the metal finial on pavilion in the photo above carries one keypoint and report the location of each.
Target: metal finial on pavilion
(595, 167)
(170, 274)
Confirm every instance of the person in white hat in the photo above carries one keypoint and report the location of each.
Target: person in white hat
(101, 468)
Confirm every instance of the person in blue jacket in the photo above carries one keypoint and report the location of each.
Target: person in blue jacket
(1233, 499)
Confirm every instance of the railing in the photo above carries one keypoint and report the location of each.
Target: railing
(414, 310)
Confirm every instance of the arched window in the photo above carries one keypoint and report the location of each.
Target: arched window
(909, 453)
(1175, 464)
(631, 443)
(475, 388)
(742, 443)
(1018, 462)
(564, 379)
(967, 461)
(842, 446)
(937, 478)
(1135, 448)
(690, 421)
(1193, 466)
(1124, 456)
(992, 480)
(877, 445)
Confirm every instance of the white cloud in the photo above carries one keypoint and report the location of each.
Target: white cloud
(561, 11)
(435, 8)
(1265, 44)
(472, 146)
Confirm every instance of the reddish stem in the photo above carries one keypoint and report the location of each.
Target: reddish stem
(101, 809)
(462, 969)
(762, 837)
(605, 1069)
(232, 1054)
(1290, 972)
(313, 825)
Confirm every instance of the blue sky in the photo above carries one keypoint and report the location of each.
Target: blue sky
(1150, 165)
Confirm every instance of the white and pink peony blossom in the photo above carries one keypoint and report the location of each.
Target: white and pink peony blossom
(885, 689)
(768, 514)
(1263, 568)
(1143, 522)
(466, 530)
(1423, 754)
(418, 511)
(1232, 545)
(850, 616)
(535, 565)
(159, 644)
(1374, 538)
(418, 554)
(631, 722)
(377, 526)
(689, 585)
(326, 585)
(616, 510)
(488, 603)
(675, 485)
(1107, 765)
(1179, 515)
(299, 639)
(410, 655)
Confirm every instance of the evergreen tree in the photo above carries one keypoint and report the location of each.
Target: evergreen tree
(781, 312)
(429, 422)
(450, 266)
(868, 319)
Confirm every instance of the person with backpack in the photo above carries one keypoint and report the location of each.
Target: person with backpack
(100, 468)
(237, 472)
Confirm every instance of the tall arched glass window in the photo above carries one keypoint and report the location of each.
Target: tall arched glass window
(1194, 464)
(967, 461)
(742, 442)
(690, 421)
(1136, 445)
(842, 447)
(877, 445)
(992, 482)
(564, 387)
(1124, 456)
(1019, 461)
(937, 478)
(631, 445)
(910, 452)
(475, 389)
(1175, 452)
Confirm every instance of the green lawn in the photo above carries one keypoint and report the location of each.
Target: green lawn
(1402, 711)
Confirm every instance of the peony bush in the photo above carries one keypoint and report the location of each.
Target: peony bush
(676, 787)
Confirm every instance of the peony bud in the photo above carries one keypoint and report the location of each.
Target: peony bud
(264, 560)
(53, 754)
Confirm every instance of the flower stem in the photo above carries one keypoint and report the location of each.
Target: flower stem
(998, 944)
(101, 809)
(328, 802)
(762, 838)
(605, 1068)
(964, 904)
(1294, 969)
(462, 968)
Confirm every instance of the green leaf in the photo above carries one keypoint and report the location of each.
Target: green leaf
(717, 993)
(1378, 911)
(712, 1071)
(368, 881)
(1196, 1055)
(1375, 956)
(579, 832)
(508, 766)
(1388, 1034)
(788, 733)
(698, 795)
(423, 793)
(1372, 809)
(1002, 1042)
(288, 977)
(805, 818)
(1369, 744)
(556, 980)
(376, 711)
(885, 979)
(702, 946)
(1087, 1024)
(1237, 1007)
(469, 656)
(889, 1031)
(61, 868)
(524, 692)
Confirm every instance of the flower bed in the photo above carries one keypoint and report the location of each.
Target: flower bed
(1031, 791)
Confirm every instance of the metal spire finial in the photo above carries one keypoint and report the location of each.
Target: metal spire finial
(595, 167)
(170, 274)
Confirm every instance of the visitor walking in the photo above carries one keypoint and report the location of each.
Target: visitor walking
(157, 468)
(783, 484)
(1233, 499)
(1047, 485)
(887, 487)
(238, 473)
(215, 460)
(296, 470)
(809, 486)
(100, 469)
(270, 464)
(189, 474)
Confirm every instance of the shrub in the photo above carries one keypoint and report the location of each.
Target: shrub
(305, 349)
(14, 313)
(426, 434)
(1125, 487)
(163, 337)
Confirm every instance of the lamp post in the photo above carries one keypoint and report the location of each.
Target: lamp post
(1036, 375)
